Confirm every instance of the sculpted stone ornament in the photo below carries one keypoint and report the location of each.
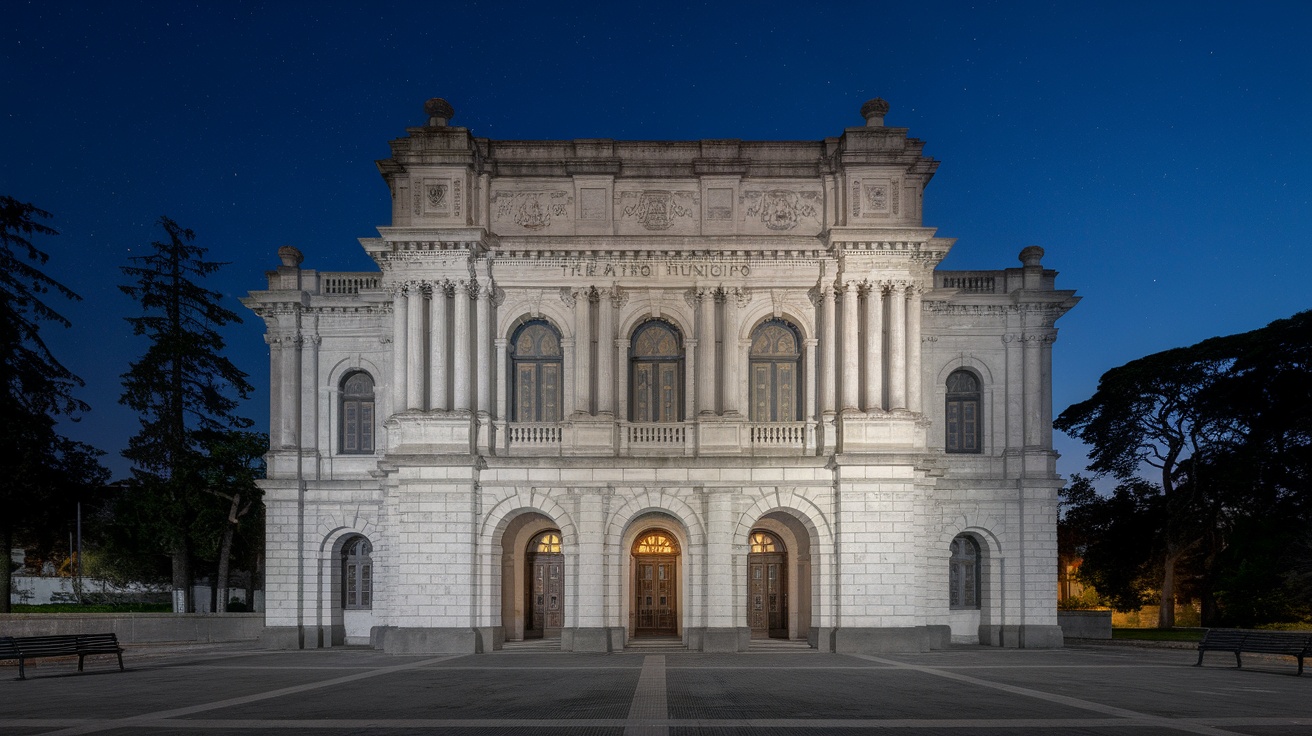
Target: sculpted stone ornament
(779, 209)
(658, 209)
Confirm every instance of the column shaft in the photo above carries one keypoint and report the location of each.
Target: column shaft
(1033, 391)
(874, 348)
(733, 366)
(291, 387)
(582, 352)
(484, 374)
(399, 305)
(827, 351)
(914, 401)
(706, 360)
(897, 345)
(606, 354)
(851, 351)
(460, 348)
(414, 354)
(439, 354)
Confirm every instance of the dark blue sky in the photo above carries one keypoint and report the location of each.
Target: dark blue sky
(1159, 152)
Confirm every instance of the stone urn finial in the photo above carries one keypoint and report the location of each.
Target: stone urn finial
(290, 256)
(439, 112)
(874, 111)
(1031, 256)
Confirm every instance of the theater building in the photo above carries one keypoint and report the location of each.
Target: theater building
(714, 394)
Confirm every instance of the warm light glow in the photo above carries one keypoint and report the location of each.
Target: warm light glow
(654, 544)
(762, 542)
(549, 542)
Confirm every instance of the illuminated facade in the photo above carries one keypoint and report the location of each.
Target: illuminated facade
(708, 392)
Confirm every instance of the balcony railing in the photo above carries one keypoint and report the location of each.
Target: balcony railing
(656, 435)
(347, 283)
(539, 434)
(778, 434)
(970, 282)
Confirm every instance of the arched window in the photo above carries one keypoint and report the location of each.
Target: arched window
(357, 414)
(656, 373)
(357, 574)
(963, 573)
(962, 420)
(763, 542)
(776, 365)
(655, 544)
(535, 372)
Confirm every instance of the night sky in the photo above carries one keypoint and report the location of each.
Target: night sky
(1159, 152)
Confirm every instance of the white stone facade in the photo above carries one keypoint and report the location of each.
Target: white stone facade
(714, 239)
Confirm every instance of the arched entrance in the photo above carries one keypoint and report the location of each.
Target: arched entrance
(545, 604)
(767, 586)
(655, 584)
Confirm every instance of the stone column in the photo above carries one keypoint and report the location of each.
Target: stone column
(690, 365)
(811, 412)
(733, 365)
(874, 347)
(439, 355)
(291, 386)
(310, 394)
(582, 352)
(460, 347)
(706, 377)
(606, 352)
(414, 355)
(484, 374)
(851, 352)
(828, 333)
(399, 304)
(275, 388)
(622, 393)
(914, 402)
(1015, 388)
(503, 363)
(1033, 390)
(897, 345)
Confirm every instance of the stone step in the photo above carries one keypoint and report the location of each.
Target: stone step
(532, 645)
(779, 645)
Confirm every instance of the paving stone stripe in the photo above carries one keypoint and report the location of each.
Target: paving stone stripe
(649, 702)
(1129, 715)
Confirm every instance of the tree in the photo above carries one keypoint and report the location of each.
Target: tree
(1227, 424)
(1114, 537)
(235, 462)
(40, 463)
(182, 387)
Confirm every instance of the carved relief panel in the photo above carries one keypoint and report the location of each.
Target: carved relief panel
(797, 210)
(876, 198)
(436, 196)
(670, 211)
(526, 211)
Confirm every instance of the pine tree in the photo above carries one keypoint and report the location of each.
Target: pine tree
(40, 465)
(185, 391)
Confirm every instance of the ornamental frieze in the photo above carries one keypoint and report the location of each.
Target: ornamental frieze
(658, 209)
(781, 210)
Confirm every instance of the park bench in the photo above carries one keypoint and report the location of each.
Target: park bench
(1257, 642)
(63, 645)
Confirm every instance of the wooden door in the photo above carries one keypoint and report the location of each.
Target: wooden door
(767, 597)
(546, 599)
(655, 605)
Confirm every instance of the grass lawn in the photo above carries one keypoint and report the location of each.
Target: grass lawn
(1159, 634)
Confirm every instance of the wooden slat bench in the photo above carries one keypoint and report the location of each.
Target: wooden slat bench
(31, 647)
(1289, 643)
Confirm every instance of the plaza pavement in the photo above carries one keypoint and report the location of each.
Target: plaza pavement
(966, 690)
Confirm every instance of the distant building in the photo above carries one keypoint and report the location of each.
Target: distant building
(701, 392)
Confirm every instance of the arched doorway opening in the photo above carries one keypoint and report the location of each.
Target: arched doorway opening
(767, 586)
(655, 584)
(520, 541)
(544, 605)
(356, 570)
